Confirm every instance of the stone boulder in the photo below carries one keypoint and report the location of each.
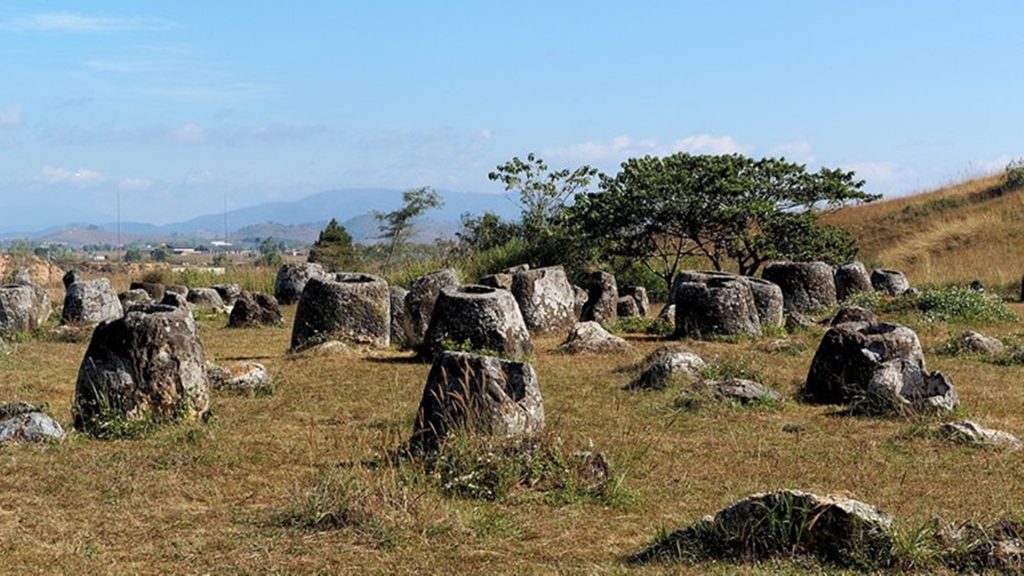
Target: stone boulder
(499, 280)
(72, 276)
(154, 289)
(973, 342)
(666, 365)
(806, 286)
(834, 529)
(176, 299)
(602, 299)
(255, 309)
(851, 279)
(721, 306)
(146, 366)
(973, 548)
(592, 338)
(23, 308)
(351, 308)
(639, 295)
(972, 433)
(292, 278)
(478, 394)
(176, 289)
(419, 303)
(240, 377)
(399, 317)
(580, 297)
(667, 318)
(136, 297)
(91, 302)
(23, 422)
(890, 282)
(545, 298)
(228, 293)
(879, 368)
(477, 318)
(848, 314)
(736, 390)
(626, 307)
(768, 300)
(206, 299)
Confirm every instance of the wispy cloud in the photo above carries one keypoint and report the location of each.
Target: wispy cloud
(134, 184)
(80, 177)
(70, 22)
(191, 134)
(799, 151)
(11, 116)
(623, 147)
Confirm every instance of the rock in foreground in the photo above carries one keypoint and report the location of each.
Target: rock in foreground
(479, 394)
(477, 318)
(147, 366)
(350, 308)
(22, 422)
(255, 309)
(833, 529)
(666, 365)
(970, 432)
(592, 338)
(879, 369)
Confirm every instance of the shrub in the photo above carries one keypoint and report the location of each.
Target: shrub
(469, 466)
(1015, 173)
(957, 304)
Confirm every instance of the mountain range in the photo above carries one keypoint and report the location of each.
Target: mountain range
(297, 221)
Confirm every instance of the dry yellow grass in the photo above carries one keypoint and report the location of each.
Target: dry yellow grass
(956, 234)
(207, 498)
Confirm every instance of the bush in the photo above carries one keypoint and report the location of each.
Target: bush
(957, 304)
(469, 466)
(1015, 173)
(947, 304)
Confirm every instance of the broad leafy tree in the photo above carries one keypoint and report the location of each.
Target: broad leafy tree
(725, 208)
(543, 193)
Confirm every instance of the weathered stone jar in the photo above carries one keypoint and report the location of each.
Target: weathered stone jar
(478, 318)
(351, 308)
(147, 365)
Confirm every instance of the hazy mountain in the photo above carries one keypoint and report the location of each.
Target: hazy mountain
(298, 220)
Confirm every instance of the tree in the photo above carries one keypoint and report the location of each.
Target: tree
(725, 208)
(133, 255)
(159, 255)
(543, 194)
(396, 226)
(270, 253)
(485, 232)
(334, 247)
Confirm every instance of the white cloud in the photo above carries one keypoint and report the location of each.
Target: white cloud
(708, 144)
(189, 133)
(11, 116)
(199, 178)
(486, 134)
(997, 164)
(878, 172)
(134, 184)
(80, 177)
(799, 151)
(623, 147)
(78, 23)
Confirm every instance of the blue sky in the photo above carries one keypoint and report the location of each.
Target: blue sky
(176, 103)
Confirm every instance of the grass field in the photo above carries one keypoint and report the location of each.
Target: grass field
(223, 497)
(962, 232)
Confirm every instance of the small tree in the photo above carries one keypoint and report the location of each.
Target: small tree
(334, 248)
(543, 194)
(270, 253)
(159, 254)
(396, 226)
(133, 255)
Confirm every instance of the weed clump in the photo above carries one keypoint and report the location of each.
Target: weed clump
(946, 304)
(487, 468)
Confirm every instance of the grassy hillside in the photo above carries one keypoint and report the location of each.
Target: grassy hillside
(966, 231)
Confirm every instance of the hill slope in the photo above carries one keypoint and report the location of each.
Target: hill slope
(965, 231)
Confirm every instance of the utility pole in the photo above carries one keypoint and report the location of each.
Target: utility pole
(118, 222)
(225, 216)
